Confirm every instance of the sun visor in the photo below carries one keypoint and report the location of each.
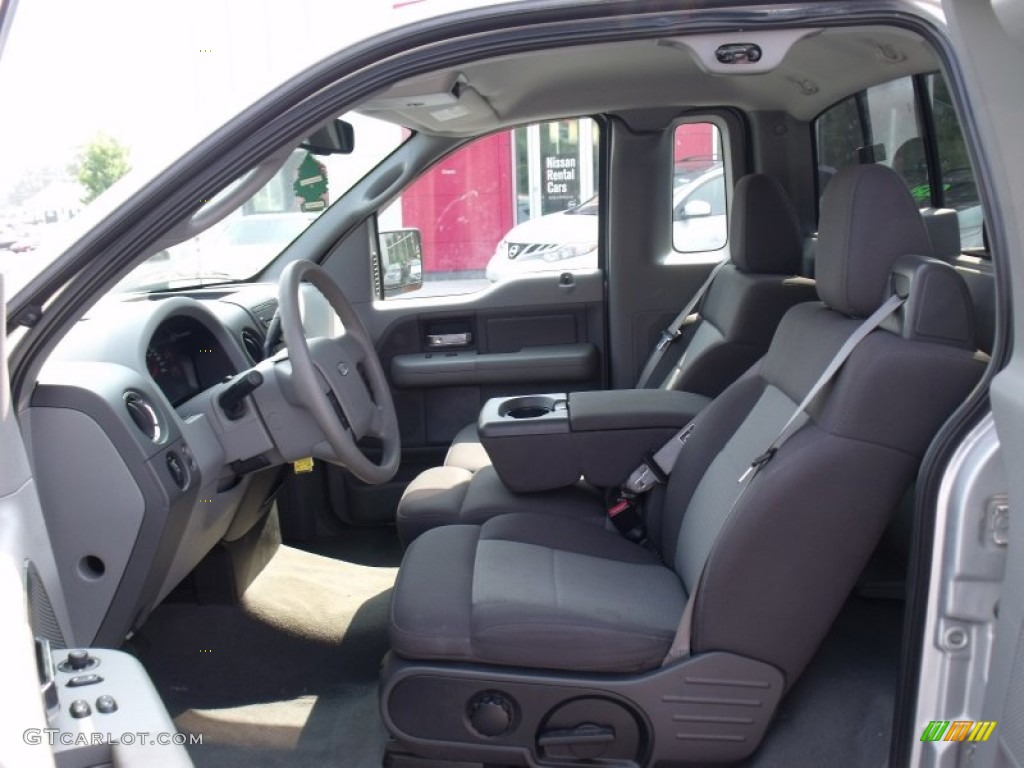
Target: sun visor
(435, 91)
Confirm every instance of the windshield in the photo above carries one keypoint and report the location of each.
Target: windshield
(242, 244)
(86, 104)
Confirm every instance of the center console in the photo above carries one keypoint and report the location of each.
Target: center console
(102, 710)
(541, 442)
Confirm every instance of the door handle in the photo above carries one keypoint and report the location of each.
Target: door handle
(442, 340)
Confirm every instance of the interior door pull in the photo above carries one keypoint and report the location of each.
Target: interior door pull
(440, 340)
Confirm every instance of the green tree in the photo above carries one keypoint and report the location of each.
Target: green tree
(103, 161)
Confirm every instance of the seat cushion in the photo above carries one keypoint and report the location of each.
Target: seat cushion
(433, 498)
(467, 451)
(535, 590)
(451, 495)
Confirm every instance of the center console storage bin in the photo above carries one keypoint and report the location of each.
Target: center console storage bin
(540, 442)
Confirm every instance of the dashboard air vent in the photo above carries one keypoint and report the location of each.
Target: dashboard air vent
(265, 312)
(253, 344)
(144, 415)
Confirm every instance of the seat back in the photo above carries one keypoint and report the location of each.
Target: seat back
(749, 295)
(770, 571)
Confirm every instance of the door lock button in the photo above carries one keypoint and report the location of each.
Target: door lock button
(106, 704)
(80, 680)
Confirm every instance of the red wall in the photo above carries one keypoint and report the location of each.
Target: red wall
(463, 206)
(694, 140)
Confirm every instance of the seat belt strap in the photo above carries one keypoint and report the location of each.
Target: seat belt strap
(672, 332)
(680, 647)
(796, 419)
(645, 476)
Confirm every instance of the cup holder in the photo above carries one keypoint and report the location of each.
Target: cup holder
(528, 412)
(527, 407)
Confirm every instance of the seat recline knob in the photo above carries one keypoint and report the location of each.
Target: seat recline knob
(490, 714)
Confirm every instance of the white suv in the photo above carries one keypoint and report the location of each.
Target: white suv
(567, 240)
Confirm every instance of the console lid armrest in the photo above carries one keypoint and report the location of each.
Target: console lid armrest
(633, 409)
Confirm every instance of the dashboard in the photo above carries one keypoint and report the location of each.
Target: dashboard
(184, 358)
(139, 472)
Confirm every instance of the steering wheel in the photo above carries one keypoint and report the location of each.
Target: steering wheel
(339, 380)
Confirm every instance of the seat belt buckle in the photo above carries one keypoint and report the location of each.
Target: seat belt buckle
(627, 521)
(666, 338)
(619, 507)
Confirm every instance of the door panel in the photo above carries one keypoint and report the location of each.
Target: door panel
(987, 41)
(505, 294)
(452, 385)
(541, 333)
(26, 565)
(536, 364)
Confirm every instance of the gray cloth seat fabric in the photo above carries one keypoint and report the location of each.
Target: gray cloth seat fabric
(531, 589)
(453, 495)
(739, 314)
(767, 573)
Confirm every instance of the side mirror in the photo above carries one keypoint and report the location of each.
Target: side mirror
(335, 138)
(696, 209)
(401, 261)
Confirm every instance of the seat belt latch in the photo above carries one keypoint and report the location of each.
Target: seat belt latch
(667, 337)
(760, 461)
(652, 464)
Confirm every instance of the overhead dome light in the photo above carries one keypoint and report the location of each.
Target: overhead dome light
(747, 52)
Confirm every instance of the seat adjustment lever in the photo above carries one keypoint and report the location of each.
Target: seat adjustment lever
(581, 735)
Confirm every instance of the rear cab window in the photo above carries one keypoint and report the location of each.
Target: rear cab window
(908, 125)
(699, 195)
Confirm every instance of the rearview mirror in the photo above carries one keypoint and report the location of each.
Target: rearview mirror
(401, 261)
(696, 209)
(335, 138)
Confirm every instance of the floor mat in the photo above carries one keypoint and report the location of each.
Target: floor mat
(840, 710)
(289, 678)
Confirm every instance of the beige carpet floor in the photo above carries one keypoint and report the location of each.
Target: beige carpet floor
(287, 678)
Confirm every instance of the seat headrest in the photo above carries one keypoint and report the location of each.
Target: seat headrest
(764, 232)
(868, 220)
(938, 306)
(943, 227)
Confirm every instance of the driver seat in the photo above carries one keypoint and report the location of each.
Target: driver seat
(538, 639)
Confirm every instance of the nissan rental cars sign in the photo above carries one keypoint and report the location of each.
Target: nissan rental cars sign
(561, 189)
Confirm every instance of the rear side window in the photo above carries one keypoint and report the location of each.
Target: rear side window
(699, 217)
(957, 188)
(910, 126)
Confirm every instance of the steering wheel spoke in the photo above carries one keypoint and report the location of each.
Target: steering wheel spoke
(340, 380)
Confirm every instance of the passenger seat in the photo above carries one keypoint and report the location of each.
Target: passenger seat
(735, 322)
